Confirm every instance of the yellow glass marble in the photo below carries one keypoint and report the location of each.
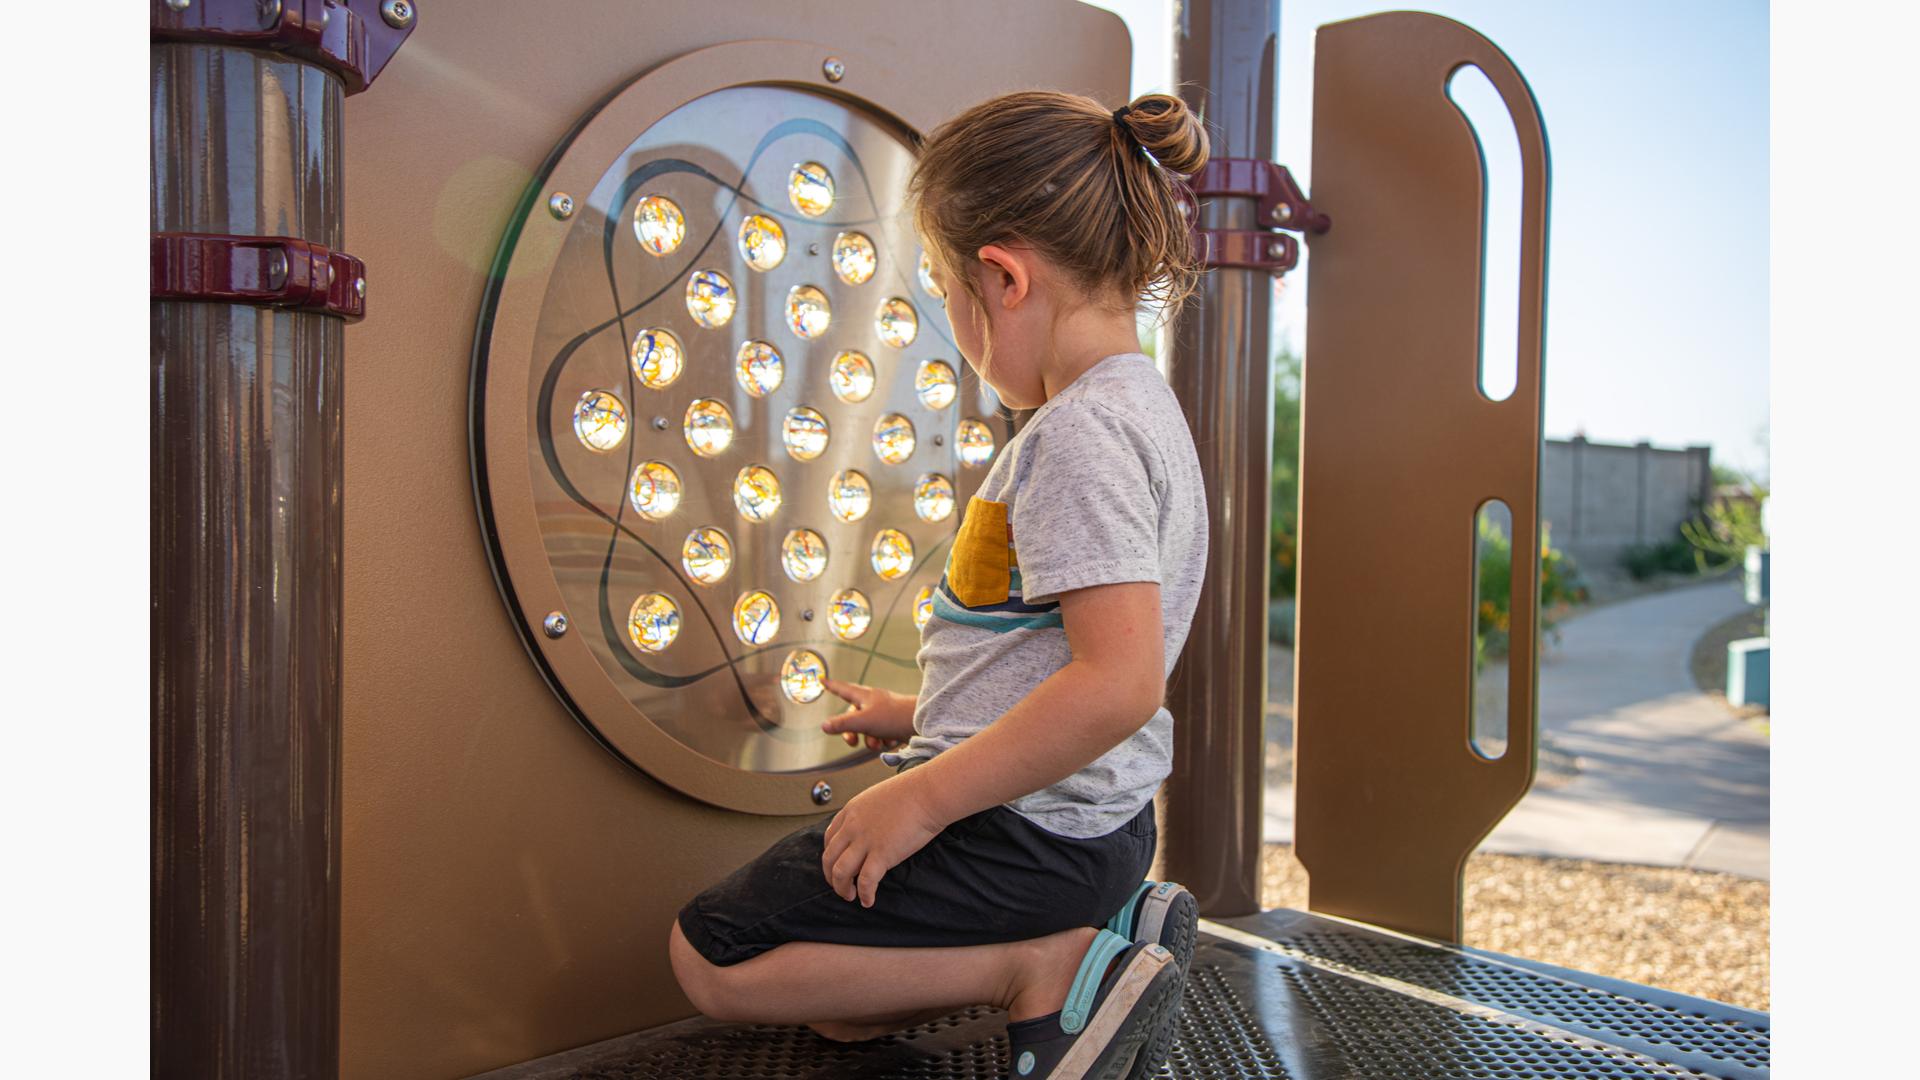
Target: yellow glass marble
(763, 243)
(759, 368)
(936, 384)
(659, 224)
(654, 490)
(756, 493)
(808, 313)
(707, 555)
(892, 554)
(854, 258)
(896, 323)
(599, 420)
(803, 677)
(810, 188)
(709, 427)
(923, 607)
(653, 622)
(849, 614)
(804, 432)
(975, 441)
(657, 358)
(849, 495)
(927, 285)
(933, 497)
(803, 555)
(852, 377)
(893, 438)
(710, 298)
(756, 618)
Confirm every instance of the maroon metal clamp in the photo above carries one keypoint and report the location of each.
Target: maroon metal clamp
(1280, 205)
(353, 44)
(265, 271)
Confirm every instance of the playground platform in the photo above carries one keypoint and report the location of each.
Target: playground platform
(1282, 995)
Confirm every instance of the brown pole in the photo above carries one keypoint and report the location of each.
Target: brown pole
(246, 460)
(1218, 365)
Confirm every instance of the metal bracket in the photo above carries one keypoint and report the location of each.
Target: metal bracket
(265, 271)
(1281, 205)
(353, 44)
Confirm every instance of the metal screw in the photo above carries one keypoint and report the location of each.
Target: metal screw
(807, 615)
(398, 13)
(822, 793)
(271, 12)
(1277, 250)
(179, 5)
(560, 205)
(1282, 212)
(360, 287)
(659, 423)
(834, 68)
(813, 249)
(326, 13)
(555, 624)
(939, 440)
(276, 269)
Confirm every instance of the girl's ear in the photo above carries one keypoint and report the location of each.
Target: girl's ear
(1007, 274)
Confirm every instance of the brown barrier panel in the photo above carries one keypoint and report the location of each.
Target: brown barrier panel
(1399, 451)
(507, 884)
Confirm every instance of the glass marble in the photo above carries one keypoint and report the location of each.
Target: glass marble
(854, 258)
(710, 298)
(756, 618)
(893, 438)
(923, 607)
(933, 497)
(653, 622)
(759, 368)
(936, 384)
(924, 272)
(804, 432)
(892, 554)
(654, 490)
(849, 495)
(803, 554)
(896, 323)
(763, 243)
(756, 493)
(709, 427)
(975, 441)
(852, 377)
(659, 224)
(849, 614)
(657, 358)
(600, 420)
(707, 555)
(808, 313)
(803, 677)
(810, 188)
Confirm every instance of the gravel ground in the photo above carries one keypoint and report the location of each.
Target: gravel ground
(1686, 930)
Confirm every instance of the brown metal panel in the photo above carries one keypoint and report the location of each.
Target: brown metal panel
(1399, 451)
(507, 884)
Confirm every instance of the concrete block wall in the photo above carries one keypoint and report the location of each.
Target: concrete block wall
(1601, 498)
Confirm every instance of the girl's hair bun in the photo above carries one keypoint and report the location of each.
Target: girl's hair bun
(1167, 129)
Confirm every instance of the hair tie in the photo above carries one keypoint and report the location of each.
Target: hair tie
(1120, 114)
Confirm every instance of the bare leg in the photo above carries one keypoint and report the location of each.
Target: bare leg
(804, 982)
(872, 1027)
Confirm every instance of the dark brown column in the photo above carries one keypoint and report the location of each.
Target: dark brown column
(246, 459)
(1218, 364)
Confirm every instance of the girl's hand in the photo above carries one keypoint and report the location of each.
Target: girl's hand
(884, 717)
(876, 831)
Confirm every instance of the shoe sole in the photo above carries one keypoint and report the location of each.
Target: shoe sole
(1139, 1007)
(1182, 918)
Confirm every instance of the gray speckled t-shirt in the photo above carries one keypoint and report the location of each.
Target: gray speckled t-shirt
(1100, 486)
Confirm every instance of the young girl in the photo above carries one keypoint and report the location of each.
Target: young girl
(1002, 864)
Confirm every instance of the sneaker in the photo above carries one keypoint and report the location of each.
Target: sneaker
(1122, 1001)
(1162, 912)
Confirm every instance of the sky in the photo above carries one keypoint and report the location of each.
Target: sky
(1657, 276)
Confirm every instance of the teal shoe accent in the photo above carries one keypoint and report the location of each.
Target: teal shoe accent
(1122, 921)
(1086, 982)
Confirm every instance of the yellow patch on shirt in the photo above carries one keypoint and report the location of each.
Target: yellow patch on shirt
(979, 571)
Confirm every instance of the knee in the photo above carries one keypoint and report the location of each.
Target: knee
(705, 984)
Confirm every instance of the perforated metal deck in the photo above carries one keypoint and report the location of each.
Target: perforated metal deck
(1279, 996)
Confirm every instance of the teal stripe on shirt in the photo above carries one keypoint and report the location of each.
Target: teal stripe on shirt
(998, 623)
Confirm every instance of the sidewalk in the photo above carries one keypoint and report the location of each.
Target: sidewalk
(1637, 765)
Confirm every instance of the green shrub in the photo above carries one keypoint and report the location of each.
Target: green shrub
(1560, 589)
(1671, 556)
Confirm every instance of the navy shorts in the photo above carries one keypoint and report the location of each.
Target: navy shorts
(988, 878)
